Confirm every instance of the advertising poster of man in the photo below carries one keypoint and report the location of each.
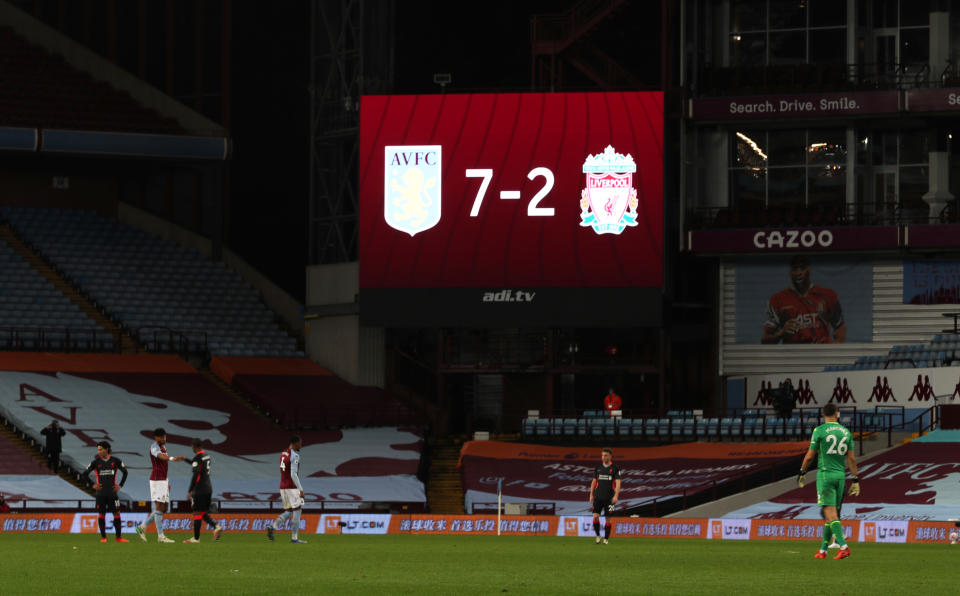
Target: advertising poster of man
(802, 302)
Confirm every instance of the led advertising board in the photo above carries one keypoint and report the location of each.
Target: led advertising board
(507, 209)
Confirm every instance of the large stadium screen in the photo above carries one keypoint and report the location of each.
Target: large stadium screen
(511, 209)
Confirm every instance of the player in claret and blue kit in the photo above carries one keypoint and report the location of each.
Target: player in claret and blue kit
(291, 491)
(106, 467)
(604, 492)
(159, 485)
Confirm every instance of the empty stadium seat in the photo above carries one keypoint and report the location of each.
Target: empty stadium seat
(709, 427)
(543, 427)
(597, 426)
(529, 427)
(665, 427)
(141, 281)
(752, 427)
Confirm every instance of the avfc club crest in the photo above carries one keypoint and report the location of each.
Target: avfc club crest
(608, 204)
(411, 187)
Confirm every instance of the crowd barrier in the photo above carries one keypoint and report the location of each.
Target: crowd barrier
(901, 531)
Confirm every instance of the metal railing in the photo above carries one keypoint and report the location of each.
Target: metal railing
(553, 32)
(166, 340)
(749, 424)
(869, 423)
(835, 215)
(58, 339)
(714, 489)
(820, 78)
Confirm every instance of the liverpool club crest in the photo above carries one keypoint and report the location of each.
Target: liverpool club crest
(411, 187)
(608, 204)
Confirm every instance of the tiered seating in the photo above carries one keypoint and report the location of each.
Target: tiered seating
(126, 397)
(145, 282)
(893, 496)
(301, 394)
(35, 315)
(665, 471)
(679, 425)
(41, 90)
(15, 461)
(943, 350)
(22, 478)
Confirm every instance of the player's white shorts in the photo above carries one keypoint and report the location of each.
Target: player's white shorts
(291, 498)
(160, 491)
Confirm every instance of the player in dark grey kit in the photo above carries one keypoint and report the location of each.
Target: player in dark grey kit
(201, 492)
(106, 468)
(604, 492)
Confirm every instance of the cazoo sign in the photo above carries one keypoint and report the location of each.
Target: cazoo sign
(793, 239)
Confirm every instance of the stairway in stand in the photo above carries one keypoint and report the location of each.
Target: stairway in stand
(127, 343)
(444, 488)
(12, 439)
(239, 396)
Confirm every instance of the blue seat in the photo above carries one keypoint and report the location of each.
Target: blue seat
(543, 427)
(752, 427)
(726, 427)
(774, 427)
(597, 426)
(556, 426)
(610, 427)
(708, 427)
(665, 427)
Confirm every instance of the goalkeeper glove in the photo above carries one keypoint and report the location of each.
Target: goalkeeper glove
(854, 488)
(800, 478)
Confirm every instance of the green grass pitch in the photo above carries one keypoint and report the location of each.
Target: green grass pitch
(61, 564)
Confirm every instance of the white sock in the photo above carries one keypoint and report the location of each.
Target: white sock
(158, 520)
(296, 524)
(277, 525)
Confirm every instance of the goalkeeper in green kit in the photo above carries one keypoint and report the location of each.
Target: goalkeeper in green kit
(832, 444)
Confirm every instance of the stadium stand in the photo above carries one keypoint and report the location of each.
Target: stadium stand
(912, 481)
(301, 394)
(942, 350)
(124, 397)
(683, 425)
(682, 472)
(162, 293)
(15, 461)
(35, 315)
(26, 482)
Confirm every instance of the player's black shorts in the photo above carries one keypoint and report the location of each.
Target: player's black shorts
(106, 503)
(201, 501)
(602, 506)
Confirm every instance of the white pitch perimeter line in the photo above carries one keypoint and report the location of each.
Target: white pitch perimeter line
(509, 194)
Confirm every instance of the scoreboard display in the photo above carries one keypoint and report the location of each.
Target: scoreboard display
(528, 209)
